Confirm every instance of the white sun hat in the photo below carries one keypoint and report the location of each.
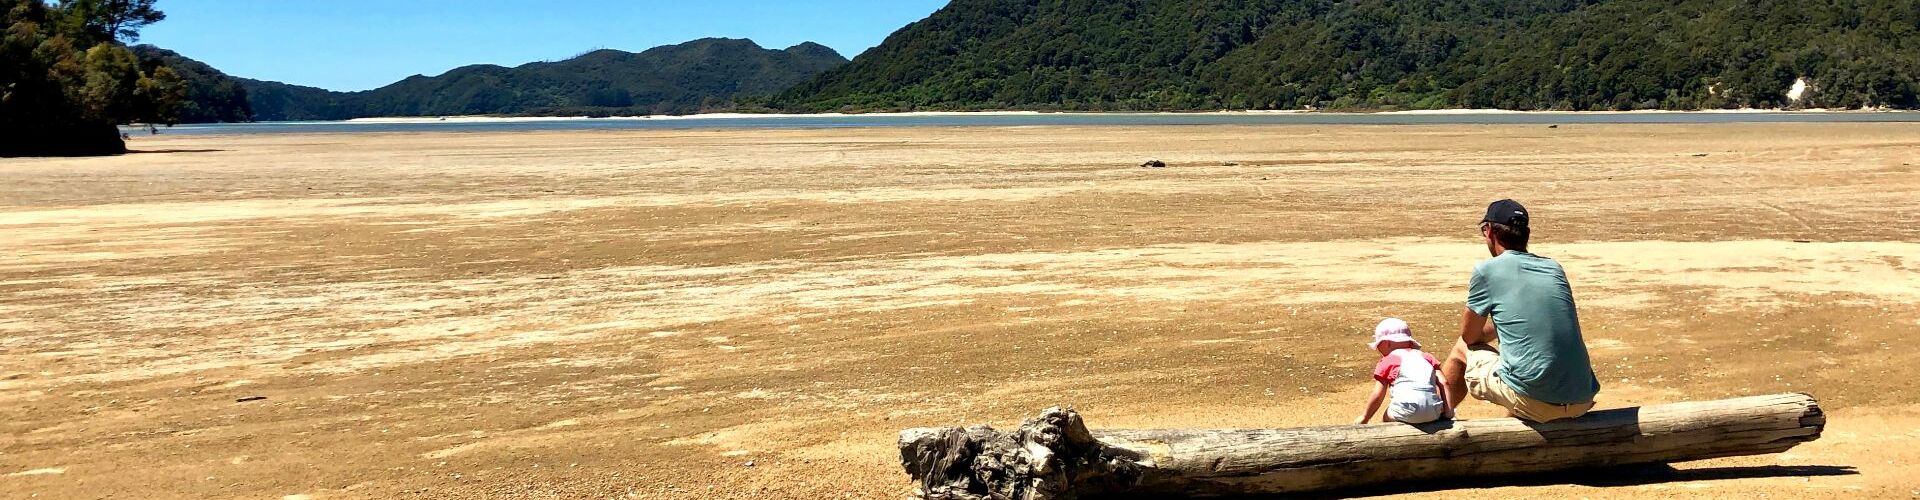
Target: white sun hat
(1392, 330)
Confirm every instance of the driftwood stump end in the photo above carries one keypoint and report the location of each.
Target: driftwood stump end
(1052, 456)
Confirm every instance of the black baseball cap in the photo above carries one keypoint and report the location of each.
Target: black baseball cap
(1508, 213)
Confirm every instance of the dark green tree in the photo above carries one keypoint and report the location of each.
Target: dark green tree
(63, 88)
(103, 21)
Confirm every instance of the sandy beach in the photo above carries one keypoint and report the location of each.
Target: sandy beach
(756, 313)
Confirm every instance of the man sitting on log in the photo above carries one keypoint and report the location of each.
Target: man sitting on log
(1541, 371)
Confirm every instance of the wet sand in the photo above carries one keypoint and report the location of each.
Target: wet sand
(643, 314)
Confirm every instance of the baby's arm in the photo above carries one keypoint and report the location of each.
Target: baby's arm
(1373, 402)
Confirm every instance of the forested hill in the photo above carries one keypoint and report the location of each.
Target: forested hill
(682, 78)
(699, 75)
(211, 96)
(276, 102)
(1291, 54)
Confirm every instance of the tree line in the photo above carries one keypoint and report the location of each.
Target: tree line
(1384, 54)
(67, 78)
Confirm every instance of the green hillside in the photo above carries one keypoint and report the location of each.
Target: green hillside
(679, 78)
(211, 96)
(1291, 54)
(275, 101)
(699, 75)
(695, 76)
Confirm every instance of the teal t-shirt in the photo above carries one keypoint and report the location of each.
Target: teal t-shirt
(1542, 355)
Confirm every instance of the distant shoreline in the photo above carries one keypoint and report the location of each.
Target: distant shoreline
(1044, 118)
(725, 116)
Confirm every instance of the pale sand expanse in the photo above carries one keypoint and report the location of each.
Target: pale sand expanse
(609, 314)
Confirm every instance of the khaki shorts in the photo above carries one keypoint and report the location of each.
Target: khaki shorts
(1483, 385)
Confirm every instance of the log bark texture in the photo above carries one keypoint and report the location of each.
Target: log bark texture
(1055, 456)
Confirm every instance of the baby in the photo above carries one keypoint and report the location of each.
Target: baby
(1411, 376)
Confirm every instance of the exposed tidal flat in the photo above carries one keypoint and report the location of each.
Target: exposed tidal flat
(598, 313)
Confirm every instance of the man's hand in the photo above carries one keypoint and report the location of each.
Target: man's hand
(1362, 420)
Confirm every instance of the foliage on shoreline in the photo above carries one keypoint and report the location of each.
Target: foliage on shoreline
(66, 80)
(1383, 54)
(69, 76)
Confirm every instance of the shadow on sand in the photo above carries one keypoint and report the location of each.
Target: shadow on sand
(168, 150)
(1632, 475)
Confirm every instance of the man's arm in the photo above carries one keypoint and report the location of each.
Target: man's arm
(1473, 321)
(1473, 328)
(1474, 331)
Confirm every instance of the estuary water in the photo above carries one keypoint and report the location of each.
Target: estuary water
(462, 124)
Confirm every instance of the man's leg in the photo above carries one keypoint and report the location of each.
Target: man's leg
(1454, 369)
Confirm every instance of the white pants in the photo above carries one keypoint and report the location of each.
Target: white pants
(1416, 410)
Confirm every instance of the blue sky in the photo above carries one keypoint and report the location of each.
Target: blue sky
(363, 44)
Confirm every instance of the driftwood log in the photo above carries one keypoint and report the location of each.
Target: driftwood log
(1055, 456)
